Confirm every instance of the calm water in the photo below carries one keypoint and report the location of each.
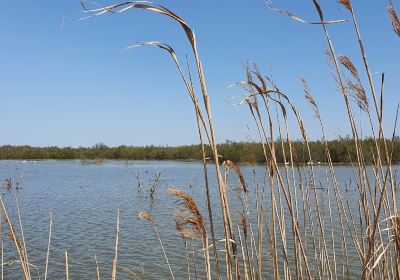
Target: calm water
(84, 200)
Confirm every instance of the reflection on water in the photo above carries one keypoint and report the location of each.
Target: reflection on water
(84, 199)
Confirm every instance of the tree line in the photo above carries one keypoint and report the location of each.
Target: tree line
(342, 151)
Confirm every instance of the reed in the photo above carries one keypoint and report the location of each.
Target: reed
(97, 268)
(66, 265)
(48, 247)
(147, 217)
(114, 263)
(189, 223)
(394, 18)
(301, 227)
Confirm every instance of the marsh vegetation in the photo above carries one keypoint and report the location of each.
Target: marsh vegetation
(290, 221)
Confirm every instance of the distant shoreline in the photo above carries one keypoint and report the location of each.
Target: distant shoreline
(105, 161)
(342, 152)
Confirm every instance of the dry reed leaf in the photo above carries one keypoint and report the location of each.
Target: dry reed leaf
(379, 257)
(261, 91)
(260, 77)
(145, 5)
(257, 87)
(229, 240)
(292, 16)
(283, 108)
(160, 45)
(319, 10)
(394, 18)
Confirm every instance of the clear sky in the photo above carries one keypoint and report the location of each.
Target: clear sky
(68, 82)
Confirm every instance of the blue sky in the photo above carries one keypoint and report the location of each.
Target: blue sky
(68, 82)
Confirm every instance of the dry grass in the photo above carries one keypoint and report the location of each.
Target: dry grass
(296, 226)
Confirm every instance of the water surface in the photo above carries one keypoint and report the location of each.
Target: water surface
(84, 199)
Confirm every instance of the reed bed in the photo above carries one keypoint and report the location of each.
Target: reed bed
(301, 227)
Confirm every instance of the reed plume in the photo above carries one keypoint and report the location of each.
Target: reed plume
(346, 4)
(188, 218)
(354, 85)
(394, 18)
(309, 98)
(189, 222)
(231, 165)
(147, 217)
(310, 252)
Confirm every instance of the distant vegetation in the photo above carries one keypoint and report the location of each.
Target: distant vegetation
(342, 151)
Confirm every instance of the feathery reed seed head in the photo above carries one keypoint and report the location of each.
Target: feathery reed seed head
(394, 18)
(346, 3)
(189, 221)
(309, 98)
(355, 87)
(230, 165)
(146, 216)
(346, 62)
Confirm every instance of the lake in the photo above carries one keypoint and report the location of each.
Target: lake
(84, 199)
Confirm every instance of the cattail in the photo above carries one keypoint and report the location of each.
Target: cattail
(394, 18)
(346, 3)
